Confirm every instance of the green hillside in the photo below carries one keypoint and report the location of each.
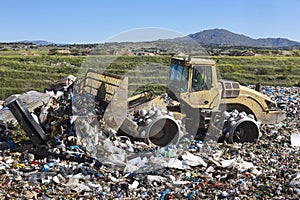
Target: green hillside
(19, 73)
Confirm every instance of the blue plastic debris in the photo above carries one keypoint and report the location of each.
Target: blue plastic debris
(45, 168)
(164, 193)
(193, 194)
(268, 90)
(74, 147)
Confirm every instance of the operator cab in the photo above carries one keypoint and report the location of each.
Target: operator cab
(194, 81)
(181, 71)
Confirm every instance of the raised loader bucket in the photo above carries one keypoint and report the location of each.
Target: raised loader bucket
(111, 93)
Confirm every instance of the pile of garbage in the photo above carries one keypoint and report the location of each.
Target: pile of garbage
(106, 165)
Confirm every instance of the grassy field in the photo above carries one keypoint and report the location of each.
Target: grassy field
(21, 71)
(268, 70)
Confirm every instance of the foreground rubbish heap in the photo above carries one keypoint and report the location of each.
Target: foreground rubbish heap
(73, 156)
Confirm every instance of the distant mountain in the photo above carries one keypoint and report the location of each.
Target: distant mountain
(225, 37)
(207, 37)
(39, 42)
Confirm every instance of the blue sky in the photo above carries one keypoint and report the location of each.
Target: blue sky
(93, 21)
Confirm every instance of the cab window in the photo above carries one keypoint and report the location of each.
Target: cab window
(202, 78)
(178, 76)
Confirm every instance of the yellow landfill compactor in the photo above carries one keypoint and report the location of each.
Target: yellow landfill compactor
(194, 96)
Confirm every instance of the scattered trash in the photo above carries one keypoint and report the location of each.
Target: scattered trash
(193, 160)
(91, 160)
(295, 139)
